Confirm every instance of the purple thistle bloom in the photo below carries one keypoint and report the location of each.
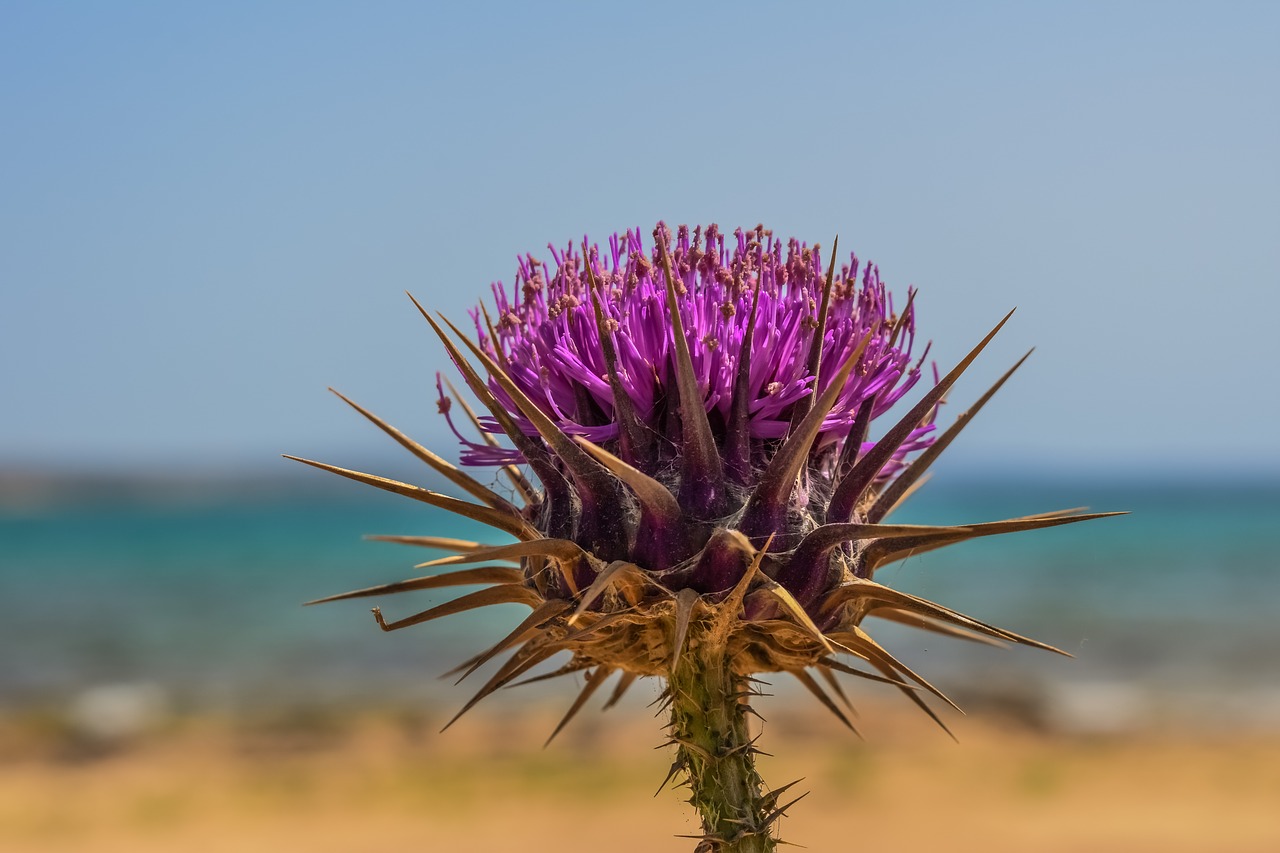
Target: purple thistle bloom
(705, 504)
(544, 331)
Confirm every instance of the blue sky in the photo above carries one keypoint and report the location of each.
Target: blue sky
(210, 212)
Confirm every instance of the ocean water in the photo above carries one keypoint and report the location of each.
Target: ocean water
(200, 594)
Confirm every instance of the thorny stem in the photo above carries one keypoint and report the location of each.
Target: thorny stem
(709, 725)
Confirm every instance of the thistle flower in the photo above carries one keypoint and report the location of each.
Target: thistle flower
(707, 506)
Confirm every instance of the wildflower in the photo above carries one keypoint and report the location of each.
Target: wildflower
(708, 505)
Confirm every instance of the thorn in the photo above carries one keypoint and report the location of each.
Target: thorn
(850, 489)
(513, 524)
(503, 594)
(501, 575)
(830, 678)
(518, 481)
(771, 797)
(813, 364)
(552, 481)
(526, 630)
(438, 542)
(737, 438)
(728, 609)
(880, 553)
(812, 686)
(456, 475)
(798, 613)
(700, 751)
(878, 596)
(702, 471)
(633, 438)
(856, 437)
(769, 498)
(526, 658)
(563, 550)
(748, 746)
(598, 586)
(658, 541)
(779, 812)
(686, 600)
(624, 682)
(594, 680)
(593, 479)
(676, 767)
(897, 490)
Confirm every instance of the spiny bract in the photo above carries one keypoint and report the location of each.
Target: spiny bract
(697, 422)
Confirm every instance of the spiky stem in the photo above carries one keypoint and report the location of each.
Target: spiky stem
(709, 725)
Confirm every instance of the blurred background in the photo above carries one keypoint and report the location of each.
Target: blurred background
(209, 214)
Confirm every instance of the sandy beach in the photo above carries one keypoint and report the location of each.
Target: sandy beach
(387, 780)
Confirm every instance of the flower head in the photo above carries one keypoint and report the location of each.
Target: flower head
(751, 306)
(705, 503)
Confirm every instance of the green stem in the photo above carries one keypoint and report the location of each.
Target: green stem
(709, 724)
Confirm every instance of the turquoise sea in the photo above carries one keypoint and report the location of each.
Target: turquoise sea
(196, 590)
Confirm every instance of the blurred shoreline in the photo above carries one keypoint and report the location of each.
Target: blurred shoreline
(183, 592)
